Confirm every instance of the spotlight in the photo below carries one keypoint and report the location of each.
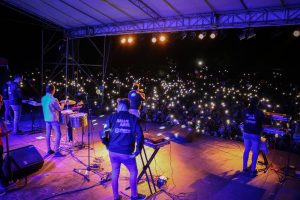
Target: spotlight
(251, 34)
(130, 40)
(200, 62)
(183, 35)
(123, 40)
(193, 35)
(162, 38)
(213, 35)
(154, 40)
(202, 35)
(243, 35)
(296, 33)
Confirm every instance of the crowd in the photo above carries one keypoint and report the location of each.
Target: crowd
(207, 101)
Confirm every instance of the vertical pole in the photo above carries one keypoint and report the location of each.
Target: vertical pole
(103, 71)
(67, 58)
(42, 62)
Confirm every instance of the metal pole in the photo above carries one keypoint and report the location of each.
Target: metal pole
(103, 71)
(42, 63)
(67, 58)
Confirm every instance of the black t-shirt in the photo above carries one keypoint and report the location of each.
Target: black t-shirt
(253, 121)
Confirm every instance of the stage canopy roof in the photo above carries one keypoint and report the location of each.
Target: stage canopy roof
(82, 18)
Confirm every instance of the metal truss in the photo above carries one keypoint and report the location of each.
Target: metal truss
(240, 19)
(145, 8)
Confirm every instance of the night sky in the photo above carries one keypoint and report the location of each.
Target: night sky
(272, 48)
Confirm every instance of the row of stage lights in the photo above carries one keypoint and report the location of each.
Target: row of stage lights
(163, 38)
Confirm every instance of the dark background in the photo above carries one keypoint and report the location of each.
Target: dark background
(273, 48)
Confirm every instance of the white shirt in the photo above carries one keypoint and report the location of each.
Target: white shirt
(51, 108)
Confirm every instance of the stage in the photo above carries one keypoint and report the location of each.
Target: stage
(206, 168)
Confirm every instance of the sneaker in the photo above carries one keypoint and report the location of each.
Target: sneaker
(58, 154)
(139, 197)
(50, 152)
(253, 173)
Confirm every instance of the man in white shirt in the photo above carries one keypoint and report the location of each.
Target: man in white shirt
(51, 109)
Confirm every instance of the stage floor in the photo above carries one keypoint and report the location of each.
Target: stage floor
(207, 168)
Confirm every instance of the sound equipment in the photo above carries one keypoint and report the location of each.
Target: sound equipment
(154, 141)
(24, 161)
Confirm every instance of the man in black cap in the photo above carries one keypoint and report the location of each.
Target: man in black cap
(252, 128)
(121, 131)
(136, 96)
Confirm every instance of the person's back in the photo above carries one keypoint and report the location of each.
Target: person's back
(50, 108)
(253, 121)
(14, 93)
(122, 130)
(122, 136)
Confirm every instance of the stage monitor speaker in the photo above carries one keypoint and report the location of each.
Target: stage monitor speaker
(24, 161)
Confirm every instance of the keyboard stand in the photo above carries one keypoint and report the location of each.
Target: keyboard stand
(146, 167)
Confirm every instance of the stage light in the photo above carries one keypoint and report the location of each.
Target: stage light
(213, 35)
(202, 35)
(162, 38)
(243, 35)
(251, 34)
(296, 33)
(200, 62)
(154, 40)
(130, 40)
(123, 40)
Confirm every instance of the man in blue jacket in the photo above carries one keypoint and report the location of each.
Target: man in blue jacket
(121, 131)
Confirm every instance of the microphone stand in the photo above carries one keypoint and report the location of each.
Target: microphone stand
(106, 176)
(88, 165)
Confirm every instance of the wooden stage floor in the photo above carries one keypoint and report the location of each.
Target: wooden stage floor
(207, 168)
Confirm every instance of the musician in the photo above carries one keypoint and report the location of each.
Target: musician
(15, 99)
(51, 109)
(3, 131)
(6, 101)
(253, 125)
(121, 131)
(136, 96)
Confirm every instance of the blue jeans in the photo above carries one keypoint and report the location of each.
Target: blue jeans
(17, 116)
(116, 160)
(56, 127)
(251, 141)
(7, 115)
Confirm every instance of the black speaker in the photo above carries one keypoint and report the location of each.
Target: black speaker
(24, 161)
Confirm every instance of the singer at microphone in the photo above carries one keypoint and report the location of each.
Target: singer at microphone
(136, 96)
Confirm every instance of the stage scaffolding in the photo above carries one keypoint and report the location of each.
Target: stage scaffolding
(61, 55)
